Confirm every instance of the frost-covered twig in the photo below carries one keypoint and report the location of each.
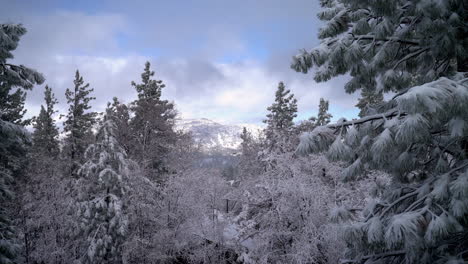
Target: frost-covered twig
(389, 114)
(376, 256)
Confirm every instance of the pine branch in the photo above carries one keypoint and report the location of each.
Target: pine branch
(389, 114)
(376, 256)
(409, 56)
(394, 39)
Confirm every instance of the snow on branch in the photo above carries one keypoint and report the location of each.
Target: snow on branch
(375, 256)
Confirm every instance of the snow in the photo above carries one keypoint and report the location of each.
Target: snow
(213, 135)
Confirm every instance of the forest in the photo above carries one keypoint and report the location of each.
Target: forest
(127, 186)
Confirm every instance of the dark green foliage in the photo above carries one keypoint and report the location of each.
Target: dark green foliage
(283, 110)
(79, 121)
(121, 116)
(46, 132)
(388, 45)
(152, 126)
(14, 140)
(369, 102)
(323, 116)
(413, 49)
(14, 79)
(279, 120)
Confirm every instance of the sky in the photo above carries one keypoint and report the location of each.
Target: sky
(220, 60)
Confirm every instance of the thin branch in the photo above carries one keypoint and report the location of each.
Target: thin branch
(409, 56)
(376, 256)
(402, 41)
(390, 114)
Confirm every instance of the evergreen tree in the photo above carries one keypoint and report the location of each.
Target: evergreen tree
(248, 162)
(121, 114)
(280, 119)
(14, 77)
(246, 143)
(152, 125)
(323, 116)
(12, 105)
(102, 207)
(388, 45)
(418, 137)
(369, 102)
(79, 121)
(46, 132)
(13, 138)
(283, 110)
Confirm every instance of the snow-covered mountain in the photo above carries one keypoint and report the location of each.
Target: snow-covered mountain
(215, 136)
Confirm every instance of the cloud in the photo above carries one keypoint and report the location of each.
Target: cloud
(233, 93)
(219, 60)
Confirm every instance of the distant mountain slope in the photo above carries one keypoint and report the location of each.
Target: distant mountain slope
(215, 136)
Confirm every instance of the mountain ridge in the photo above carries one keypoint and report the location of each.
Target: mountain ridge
(212, 135)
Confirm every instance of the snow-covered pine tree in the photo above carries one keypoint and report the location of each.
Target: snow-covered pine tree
(121, 114)
(246, 143)
(323, 117)
(13, 137)
(368, 102)
(279, 120)
(102, 207)
(419, 137)
(79, 121)
(152, 125)
(248, 165)
(45, 131)
(388, 45)
(13, 76)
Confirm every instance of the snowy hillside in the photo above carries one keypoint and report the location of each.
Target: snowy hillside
(213, 135)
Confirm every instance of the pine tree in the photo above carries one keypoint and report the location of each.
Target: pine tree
(388, 45)
(419, 136)
(280, 119)
(323, 116)
(248, 162)
(13, 138)
(246, 143)
(121, 114)
(283, 110)
(152, 125)
(46, 132)
(79, 121)
(369, 102)
(102, 206)
(14, 77)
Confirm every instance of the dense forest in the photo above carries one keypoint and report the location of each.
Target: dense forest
(126, 185)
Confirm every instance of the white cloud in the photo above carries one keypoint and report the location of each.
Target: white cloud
(232, 93)
(60, 42)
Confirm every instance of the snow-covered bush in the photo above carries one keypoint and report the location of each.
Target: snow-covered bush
(286, 211)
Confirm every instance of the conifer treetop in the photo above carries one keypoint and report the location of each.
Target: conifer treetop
(45, 130)
(283, 110)
(149, 88)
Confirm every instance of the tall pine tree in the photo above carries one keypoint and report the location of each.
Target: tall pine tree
(369, 102)
(102, 207)
(152, 125)
(419, 137)
(279, 120)
(79, 121)
(45, 135)
(13, 138)
(323, 117)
